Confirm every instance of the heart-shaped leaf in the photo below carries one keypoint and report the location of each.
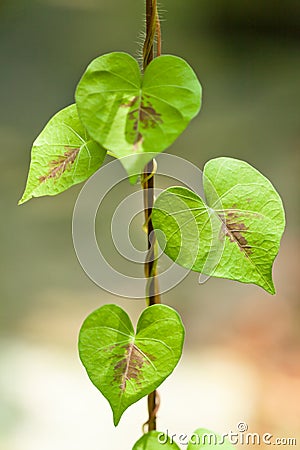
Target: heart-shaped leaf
(132, 114)
(203, 439)
(126, 366)
(62, 155)
(236, 235)
(155, 440)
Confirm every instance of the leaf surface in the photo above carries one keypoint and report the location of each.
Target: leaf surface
(124, 365)
(154, 440)
(62, 155)
(236, 234)
(134, 114)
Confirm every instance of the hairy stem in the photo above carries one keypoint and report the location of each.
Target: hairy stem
(152, 291)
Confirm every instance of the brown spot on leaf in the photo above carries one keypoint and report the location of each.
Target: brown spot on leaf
(61, 164)
(148, 116)
(234, 229)
(130, 366)
(144, 114)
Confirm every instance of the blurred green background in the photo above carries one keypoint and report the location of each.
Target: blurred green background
(241, 359)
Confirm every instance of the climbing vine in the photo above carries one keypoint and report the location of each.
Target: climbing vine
(134, 113)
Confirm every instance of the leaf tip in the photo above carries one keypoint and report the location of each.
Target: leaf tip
(272, 290)
(116, 418)
(23, 199)
(268, 287)
(133, 179)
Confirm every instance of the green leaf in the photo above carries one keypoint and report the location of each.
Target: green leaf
(62, 155)
(126, 366)
(203, 439)
(155, 440)
(235, 235)
(133, 114)
(184, 219)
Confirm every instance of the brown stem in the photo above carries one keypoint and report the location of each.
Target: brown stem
(150, 262)
(153, 296)
(148, 45)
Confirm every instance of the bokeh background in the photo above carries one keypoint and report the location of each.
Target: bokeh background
(241, 357)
